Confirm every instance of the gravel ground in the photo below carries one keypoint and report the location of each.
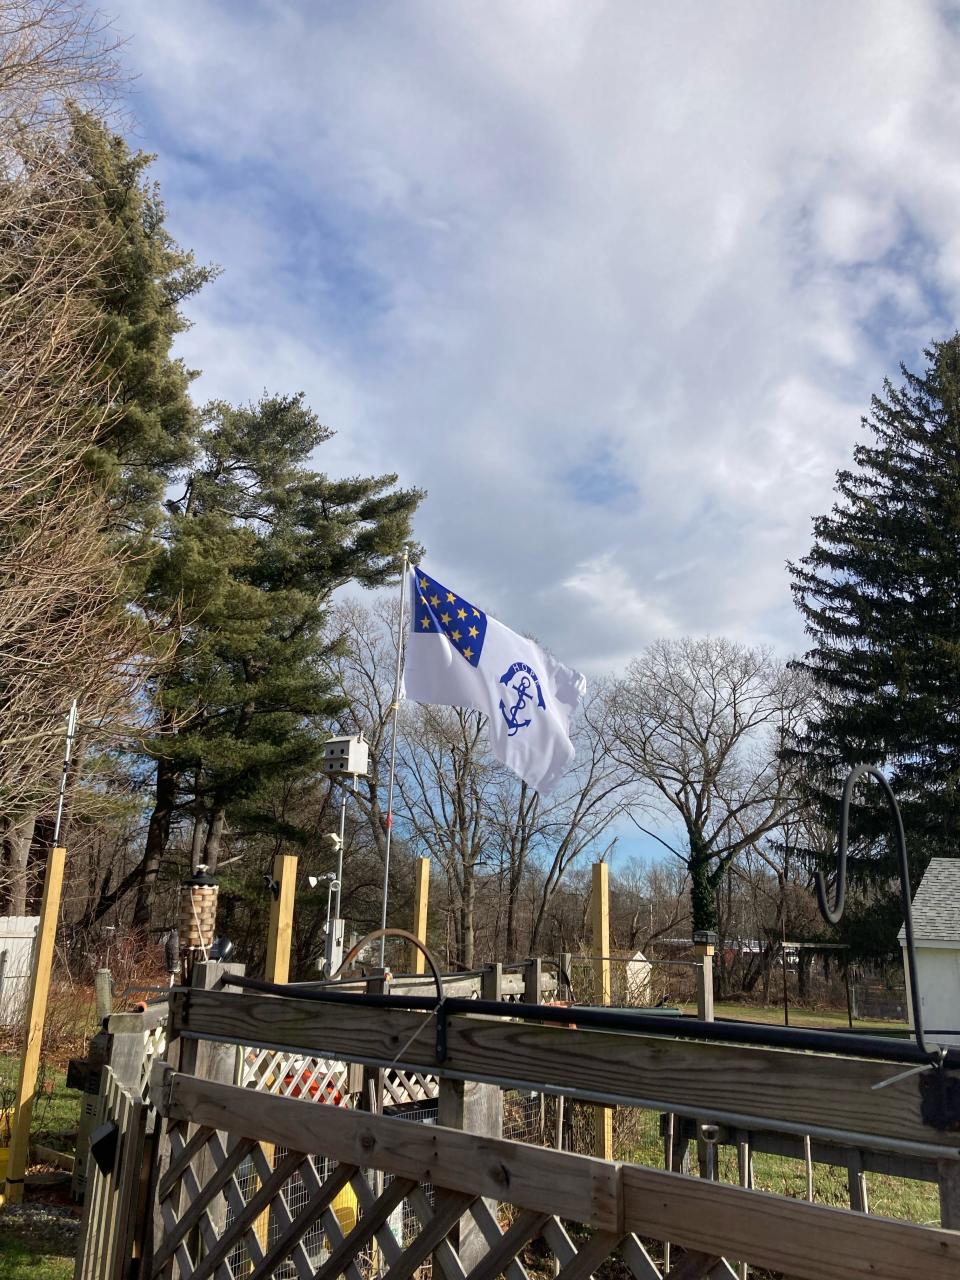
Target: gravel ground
(54, 1227)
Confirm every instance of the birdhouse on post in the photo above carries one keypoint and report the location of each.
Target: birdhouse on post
(348, 757)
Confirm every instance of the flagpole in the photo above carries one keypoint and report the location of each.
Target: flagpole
(393, 751)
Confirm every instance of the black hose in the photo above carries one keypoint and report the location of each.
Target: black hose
(756, 1034)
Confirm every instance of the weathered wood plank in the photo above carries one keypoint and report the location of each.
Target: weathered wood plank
(781, 1234)
(198, 1203)
(524, 1228)
(641, 1265)
(590, 1255)
(367, 1227)
(450, 1207)
(269, 1188)
(579, 1187)
(289, 1238)
(694, 1266)
(694, 1078)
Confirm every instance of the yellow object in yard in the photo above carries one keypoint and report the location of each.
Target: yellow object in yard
(345, 1207)
(4, 1160)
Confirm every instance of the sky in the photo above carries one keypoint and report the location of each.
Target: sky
(613, 282)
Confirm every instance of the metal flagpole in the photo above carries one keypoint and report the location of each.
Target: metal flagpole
(393, 751)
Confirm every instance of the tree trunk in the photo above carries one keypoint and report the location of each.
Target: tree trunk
(803, 974)
(511, 948)
(158, 836)
(211, 846)
(16, 846)
(467, 907)
(703, 894)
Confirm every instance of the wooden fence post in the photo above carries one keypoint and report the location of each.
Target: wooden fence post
(280, 928)
(704, 953)
(600, 913)
(277, 969)
(491, 982)
(421, 902)
(533, 982)
(474, 1108)
(948, 1180)
(36, 1015)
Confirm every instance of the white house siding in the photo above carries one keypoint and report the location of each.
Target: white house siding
(17, 937)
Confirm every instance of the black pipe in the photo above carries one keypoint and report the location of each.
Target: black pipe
(756, 1034)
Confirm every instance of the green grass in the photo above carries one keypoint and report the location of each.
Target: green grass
(56, 1109)
(829, 1019)
(903, 1198)
(23, 1257)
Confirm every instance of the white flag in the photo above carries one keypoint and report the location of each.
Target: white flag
(457, 656)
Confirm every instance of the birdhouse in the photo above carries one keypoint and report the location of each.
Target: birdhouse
(347, 756)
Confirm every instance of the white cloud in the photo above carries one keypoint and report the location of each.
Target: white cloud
(510, 250)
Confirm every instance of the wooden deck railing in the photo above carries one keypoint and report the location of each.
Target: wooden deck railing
(578, 1210)
(366, 1195)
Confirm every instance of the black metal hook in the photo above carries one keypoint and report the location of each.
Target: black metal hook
(833, 914)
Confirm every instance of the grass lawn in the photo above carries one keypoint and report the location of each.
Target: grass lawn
(56, 1109)
(636, 1139)
(827, 1019)
(888, 1197)
(24, 1256)
(37, 1243)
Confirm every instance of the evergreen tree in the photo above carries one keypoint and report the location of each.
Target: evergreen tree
(143, 277)
(253, 549)
(880, 595)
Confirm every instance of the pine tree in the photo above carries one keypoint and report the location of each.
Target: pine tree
(142, 280)
(254, 547)
(880, 594)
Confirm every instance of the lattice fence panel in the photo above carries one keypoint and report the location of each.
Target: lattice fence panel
(294, 1076)
(213, 1220)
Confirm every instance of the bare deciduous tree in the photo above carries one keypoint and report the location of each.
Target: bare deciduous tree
(700, 724)
(64, 632)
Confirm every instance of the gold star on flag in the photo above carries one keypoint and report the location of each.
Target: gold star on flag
(445, 619)
(473, 633)
(434, 600)
(461, 613)
(468, 653)
(455, 635)
(476, 613)
(451, 598)
(423, 584)
(425, 623)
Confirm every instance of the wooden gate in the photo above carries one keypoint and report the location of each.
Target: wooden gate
(112, 1229)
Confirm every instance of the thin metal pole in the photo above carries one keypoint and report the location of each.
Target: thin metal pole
(393, 752)
(343, 830)
(65, 772)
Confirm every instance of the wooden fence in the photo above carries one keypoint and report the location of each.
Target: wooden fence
(112, 1235)
(473, 1205)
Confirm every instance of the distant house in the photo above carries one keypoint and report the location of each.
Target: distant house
(17, 939)
(637, 971)
(936, 931)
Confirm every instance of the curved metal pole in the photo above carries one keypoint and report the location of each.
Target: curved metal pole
(833, 914)
(383, 934)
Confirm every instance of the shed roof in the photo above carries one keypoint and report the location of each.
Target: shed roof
(936, 903)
